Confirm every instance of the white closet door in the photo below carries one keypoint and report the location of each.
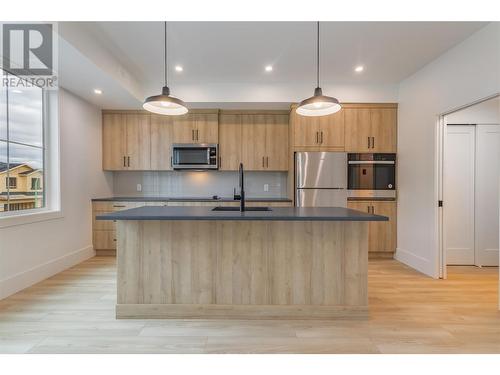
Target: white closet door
(487, 175)
(458, 186)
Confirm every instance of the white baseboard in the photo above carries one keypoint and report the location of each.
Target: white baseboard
(414, 261)
(43, 271)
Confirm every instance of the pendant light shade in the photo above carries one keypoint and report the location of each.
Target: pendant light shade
(164, 104)
(318, 104)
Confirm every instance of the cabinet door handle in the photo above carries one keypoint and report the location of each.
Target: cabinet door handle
(368, 209)
(197, 135)
(317, 137)
(124, 161)
(267, 161)
(220, 161)
(368, 141)
(263, 162)
(128, 161)
(192, 134)
(373, 142)
(321, 140)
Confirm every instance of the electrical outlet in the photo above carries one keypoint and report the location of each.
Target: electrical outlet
(139, 187)
(266, 187)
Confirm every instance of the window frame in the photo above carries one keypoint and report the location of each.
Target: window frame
(8, 180)
(51, 168)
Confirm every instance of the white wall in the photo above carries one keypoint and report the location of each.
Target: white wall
(487, 112)
(464, 74)
(32, 252)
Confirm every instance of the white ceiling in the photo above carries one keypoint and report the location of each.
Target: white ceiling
(220, 54)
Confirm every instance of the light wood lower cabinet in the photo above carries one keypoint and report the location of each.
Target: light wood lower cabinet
(381, 234)
(104, 231)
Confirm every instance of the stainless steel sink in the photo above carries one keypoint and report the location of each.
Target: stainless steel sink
(223, 208)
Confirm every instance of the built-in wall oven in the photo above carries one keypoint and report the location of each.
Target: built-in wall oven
(195, 156)
(371, 175)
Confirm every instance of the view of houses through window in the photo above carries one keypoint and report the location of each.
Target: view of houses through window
(21, 148)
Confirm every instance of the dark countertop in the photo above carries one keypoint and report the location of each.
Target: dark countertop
(277, 214)
(169, 199)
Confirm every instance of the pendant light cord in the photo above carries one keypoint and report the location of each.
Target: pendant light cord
(317, 56)
(165, 55)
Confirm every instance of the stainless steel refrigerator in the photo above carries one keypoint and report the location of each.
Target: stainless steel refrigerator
(321, 179)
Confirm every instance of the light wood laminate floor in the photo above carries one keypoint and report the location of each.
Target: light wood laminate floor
(74, 312)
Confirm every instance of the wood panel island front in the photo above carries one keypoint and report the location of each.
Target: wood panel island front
(290, 263)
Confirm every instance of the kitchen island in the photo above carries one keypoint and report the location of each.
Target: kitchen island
(193, 262)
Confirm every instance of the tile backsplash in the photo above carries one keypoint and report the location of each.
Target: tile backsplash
(198, 184)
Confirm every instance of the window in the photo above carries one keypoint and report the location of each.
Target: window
(11, 182)
(22, 148)
(35, 183)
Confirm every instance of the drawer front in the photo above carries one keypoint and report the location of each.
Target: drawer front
(104, 239)
(110, 206)
(102, 224)
(160, 204)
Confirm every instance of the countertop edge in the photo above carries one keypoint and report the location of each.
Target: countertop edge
(171, 199)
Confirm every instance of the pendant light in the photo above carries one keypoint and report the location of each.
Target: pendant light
(164, 104)
(318, 104)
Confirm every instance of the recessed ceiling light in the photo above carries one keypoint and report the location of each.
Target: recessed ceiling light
(359, 68)
(97, 91)
(16, 91)
(269, 68)
(178, 68)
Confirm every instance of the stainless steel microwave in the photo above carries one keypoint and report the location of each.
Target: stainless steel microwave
(195, 156)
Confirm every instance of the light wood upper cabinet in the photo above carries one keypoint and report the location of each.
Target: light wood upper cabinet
(196, 128)
(306, 130)
(207, 127)
(162, 129)
(332, 130)
(384, 129)
(126, 141)
(381, 234)
(229, 142)
(258, 140)
(357, 129)
(138, 141)
(370, 129)
(325, 132)
(253, 145)
(265, 142)
(114, 144)
(277, 143)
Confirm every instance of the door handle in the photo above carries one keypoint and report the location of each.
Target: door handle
(317, 137)
(373, 142)
(368, 141)
(321, 139)
(197, 135)
(128, 161)
(368, 209)
(267, 161)
(124, 161)
(263, 162)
